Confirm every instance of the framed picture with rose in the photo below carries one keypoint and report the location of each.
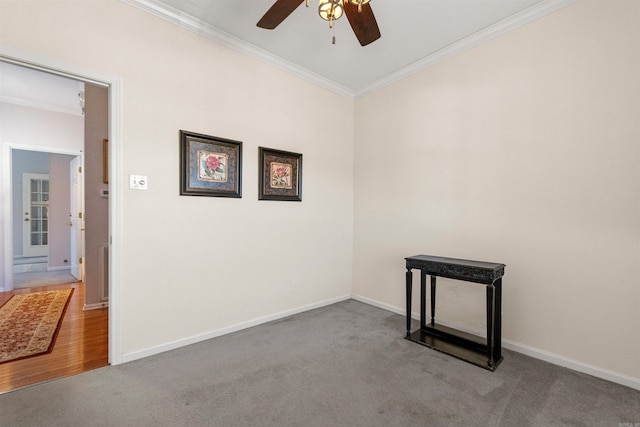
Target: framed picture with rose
(210, 166)
(280, 175)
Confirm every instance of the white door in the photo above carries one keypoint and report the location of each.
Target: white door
(35, 221)
(76, 222)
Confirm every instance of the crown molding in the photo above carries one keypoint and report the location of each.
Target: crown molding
(208, 31)
(190, 23)
(528, 15)
(4, 99)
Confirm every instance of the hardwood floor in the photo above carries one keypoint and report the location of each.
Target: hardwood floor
(81, 344)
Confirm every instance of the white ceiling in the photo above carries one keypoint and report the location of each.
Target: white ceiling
(415, 34)
(36, 89)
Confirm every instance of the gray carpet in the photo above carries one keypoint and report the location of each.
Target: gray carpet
(342, 365)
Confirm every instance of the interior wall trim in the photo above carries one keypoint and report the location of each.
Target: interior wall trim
(42, 106)
(62, 267)
(536, 353)
(574, 365)
(95, 306)
(129, 357)
(208, 31)
(528, 15)
(197, 26)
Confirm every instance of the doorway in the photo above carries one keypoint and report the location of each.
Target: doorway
(113, 163)
(42, 189)
(110, 87)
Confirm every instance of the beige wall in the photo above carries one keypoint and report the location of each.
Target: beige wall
(525, 151)
(191, 265)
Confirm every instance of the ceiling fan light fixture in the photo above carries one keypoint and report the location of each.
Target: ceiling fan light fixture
(359, 3)
(330, 10)
(359, 13)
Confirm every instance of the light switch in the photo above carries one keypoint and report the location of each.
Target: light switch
(137, 182)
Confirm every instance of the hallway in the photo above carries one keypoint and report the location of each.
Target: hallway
(29, 274)
(81, 344)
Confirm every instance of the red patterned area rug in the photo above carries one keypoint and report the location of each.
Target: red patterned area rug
(29, 323)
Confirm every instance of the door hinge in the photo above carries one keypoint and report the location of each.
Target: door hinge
(79, 169)
(79, 260)
(80, 215)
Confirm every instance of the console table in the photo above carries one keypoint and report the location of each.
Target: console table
(486, 353)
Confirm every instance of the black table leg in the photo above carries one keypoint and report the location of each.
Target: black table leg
(433, 300)
(409, 280)
(423, 301)
(497, 321)
(490, 323)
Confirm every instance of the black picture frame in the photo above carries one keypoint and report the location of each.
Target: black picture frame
(210, 166)
(280, 175)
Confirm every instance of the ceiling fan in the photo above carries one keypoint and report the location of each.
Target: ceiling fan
(358, 12)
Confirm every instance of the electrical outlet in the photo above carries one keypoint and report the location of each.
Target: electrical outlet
(138, 182)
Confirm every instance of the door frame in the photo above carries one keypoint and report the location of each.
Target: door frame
(113, 85)
(7, 179)
(76, 197)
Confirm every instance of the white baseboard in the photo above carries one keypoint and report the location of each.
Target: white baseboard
(574, 365)
(135, 355)
(546, 356)
(30, 268)
(95, 306)
(382, 305)
(59, 268)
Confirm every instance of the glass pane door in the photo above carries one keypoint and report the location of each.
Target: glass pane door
(36, 215)
(39, 212)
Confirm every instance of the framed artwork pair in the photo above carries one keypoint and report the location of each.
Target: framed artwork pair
(212, 166)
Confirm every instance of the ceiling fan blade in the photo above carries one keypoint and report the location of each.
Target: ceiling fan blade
(278, 13)
(363, 23)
